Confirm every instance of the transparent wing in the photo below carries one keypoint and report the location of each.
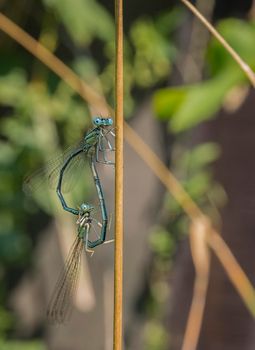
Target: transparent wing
(107, 140)
(106, 147)
(60, 306)
(49, 174)
(95, 230)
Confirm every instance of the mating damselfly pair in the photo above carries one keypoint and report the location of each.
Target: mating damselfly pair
(59, 174)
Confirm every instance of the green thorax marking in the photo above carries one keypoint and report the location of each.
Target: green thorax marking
(81, 232)
(91, 138)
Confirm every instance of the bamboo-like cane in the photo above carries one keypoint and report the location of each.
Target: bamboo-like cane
(118, 254)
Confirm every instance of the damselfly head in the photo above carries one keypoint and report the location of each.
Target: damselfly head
(85, 208)
(102, 121)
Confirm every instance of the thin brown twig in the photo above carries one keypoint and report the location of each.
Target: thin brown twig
(200, 252)
(243, 65)
(230, 264)
(201, 259)
(233, 270)
(118, 248)
(191, 66)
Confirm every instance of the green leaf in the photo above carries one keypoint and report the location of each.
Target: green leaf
(84, 19)
(21, 345)
(240, 36)
(188, 106)
(152, 53)
(198, 185)
(199, 156)
(168, 21)
(7, 154)
(6, 322)
(11, 86)
(156, 336)
(168, 101)
(161, 242)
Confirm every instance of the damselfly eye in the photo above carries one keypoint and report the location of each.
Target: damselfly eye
(84, 207)
(97, 121)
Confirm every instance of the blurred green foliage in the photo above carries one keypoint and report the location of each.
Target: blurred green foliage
(21, 345)
(186, 106)
(152, 53)
(156, 336)
(84, 20)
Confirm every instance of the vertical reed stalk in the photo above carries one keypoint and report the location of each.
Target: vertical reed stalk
(118, 256)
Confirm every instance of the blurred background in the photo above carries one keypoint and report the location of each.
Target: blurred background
(191, 103)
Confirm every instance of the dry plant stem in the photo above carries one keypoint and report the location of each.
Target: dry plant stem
(230, 264)
(191, 67)
(201, 258)
(118, 251)
(196, 312)
(233, 270)
(243, 65)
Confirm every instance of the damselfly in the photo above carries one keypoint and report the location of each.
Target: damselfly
(59, 171)
(60, 306)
